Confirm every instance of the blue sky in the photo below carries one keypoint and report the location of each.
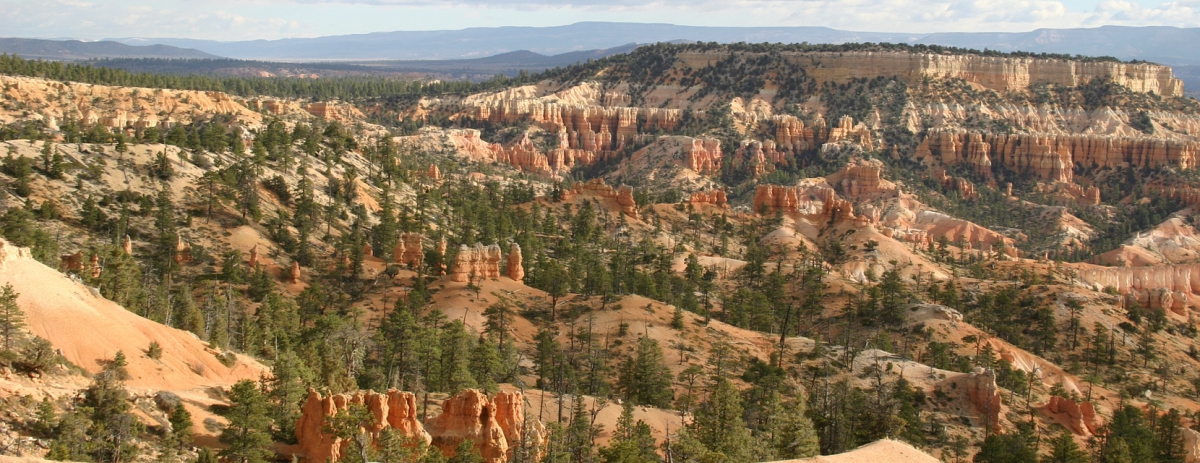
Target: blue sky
(270, 19)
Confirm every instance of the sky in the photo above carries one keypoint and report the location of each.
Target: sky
(272, 19)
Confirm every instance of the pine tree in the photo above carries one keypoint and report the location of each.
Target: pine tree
(1168, 438)
(1063, 449)
(113, 428)
(795, 436)
(1013, 447)
(12, 320)
(631, 442)
(465, 453)
(350, 425)
(718, 423)
(248, 435)
(181, 426)
(645, 379)
(286, 389)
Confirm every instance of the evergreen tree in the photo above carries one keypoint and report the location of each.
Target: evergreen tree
(631, 442)
(794, 435)
(465, 453)
(1013, 447)
(1063, 449)
(718, 424)
(248, 434)
(12, 320)
(645, 379)
(181, 426)
(113, 428)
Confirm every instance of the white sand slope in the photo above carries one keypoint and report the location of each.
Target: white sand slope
(89, 329)
(884, 450)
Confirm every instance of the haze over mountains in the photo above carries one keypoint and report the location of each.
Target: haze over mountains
(1168, 45)
(77, 50)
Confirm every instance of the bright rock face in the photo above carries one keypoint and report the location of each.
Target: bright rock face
(395, 409)
(409, 250)
(1052, 157)
(1172, 287)
(515, 270)
(294, 274)
(479, 262)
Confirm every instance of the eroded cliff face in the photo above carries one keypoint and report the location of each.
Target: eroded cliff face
(1172, 287)
(992, 72)
(1053, 157)
(476, 263)
(117, 107)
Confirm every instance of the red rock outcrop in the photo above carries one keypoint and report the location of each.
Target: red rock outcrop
(395, 409)
(95, 265)
(1052, 157)
(623, 195)
(703, 155)
(984, 395)
(409, 250)
(496, 426)
(793, 137)
(861, 179)
(711, 197)
(515, 269)
(478, 263)
(1080, 417)
(847, 130)
(441, 250)
(294, 274)
(127, 246)
(773, 198)
(433, 172)
(582, 123)
(965, 188)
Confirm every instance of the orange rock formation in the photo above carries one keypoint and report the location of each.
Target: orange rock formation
(1080, 417)
(395, 409)
(479, 262)
(984, 395)
(711, 197)
(703, 155)
(496, 426)
(1172, 287)
(409, 250)
(622, 195)
(515, 270)
(775, 198)
(1052, 157)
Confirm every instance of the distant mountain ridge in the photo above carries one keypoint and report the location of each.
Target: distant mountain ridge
(80, 50)
(1168, 45)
